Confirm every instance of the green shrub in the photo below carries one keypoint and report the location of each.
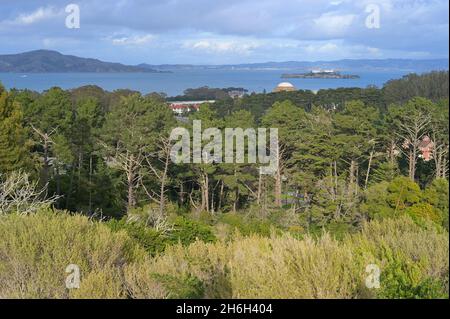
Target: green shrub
(184, 287)
(409, 255)
(247, 226)
(403, 193)
(149, 239)
(142, 283)
(424, 211)
(187, 231)
(401, 278)
(436, 194)
(184, 230)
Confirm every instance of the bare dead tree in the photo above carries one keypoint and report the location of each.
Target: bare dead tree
(161, 174)
(20, 195)
(440, 156)
(412, 129)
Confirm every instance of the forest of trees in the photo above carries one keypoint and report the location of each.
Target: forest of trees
(353, 163)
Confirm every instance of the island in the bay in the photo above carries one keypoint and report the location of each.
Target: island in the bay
(320, 74)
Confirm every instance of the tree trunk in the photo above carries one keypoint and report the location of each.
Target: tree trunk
(58, 184)
(46, 166)
(131, 176)
(90, 184)
(412, 164)
(366, 182)
(278, 189)
(221, 195)
(258, 197)
(72, 176)
(278, 181)
(352, 172)
(162, 195)
(391, 152)
(204, 188)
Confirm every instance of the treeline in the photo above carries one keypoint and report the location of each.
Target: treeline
(206, 93)
(107, 153)
(433, 86)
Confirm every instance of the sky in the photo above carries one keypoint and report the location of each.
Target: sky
(228, 31)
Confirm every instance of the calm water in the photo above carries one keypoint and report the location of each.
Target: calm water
(175, 83)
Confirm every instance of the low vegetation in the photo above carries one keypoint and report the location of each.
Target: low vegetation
(36, 249)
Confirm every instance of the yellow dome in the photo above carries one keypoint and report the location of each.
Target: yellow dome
(285, 84)
(284, 87)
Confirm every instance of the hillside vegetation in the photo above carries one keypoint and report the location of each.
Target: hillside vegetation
(358, 206)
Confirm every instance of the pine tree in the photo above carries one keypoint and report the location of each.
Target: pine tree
(13, 146)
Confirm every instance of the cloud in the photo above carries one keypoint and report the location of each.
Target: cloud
(35, 16)
(222, 46)
(327, 48)
(188, 31)
(133, 40)
(333, 24)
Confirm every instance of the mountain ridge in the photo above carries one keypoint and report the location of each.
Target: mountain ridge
(49, 61)
(419, 65)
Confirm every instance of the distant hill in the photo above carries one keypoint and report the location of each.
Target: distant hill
(45, 61)
(404, 65)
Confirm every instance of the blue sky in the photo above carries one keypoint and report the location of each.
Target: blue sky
(228, 31)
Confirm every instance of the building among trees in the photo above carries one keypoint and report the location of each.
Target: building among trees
(285, 87)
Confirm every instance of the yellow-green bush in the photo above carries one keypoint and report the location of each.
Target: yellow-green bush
(36, 249)
(206, 261)
(286, 267)
(406, 253)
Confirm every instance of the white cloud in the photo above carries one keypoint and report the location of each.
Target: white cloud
(331, 23)
(35, 16)
(133, 40)
(327, 48)
(241, 47)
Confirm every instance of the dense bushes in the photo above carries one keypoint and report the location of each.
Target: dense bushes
(183, 230)
(246, 225)
(413, 263)
(188, 231)
(35, 250)
(403, 196)
(412, 258)
(149, 239)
